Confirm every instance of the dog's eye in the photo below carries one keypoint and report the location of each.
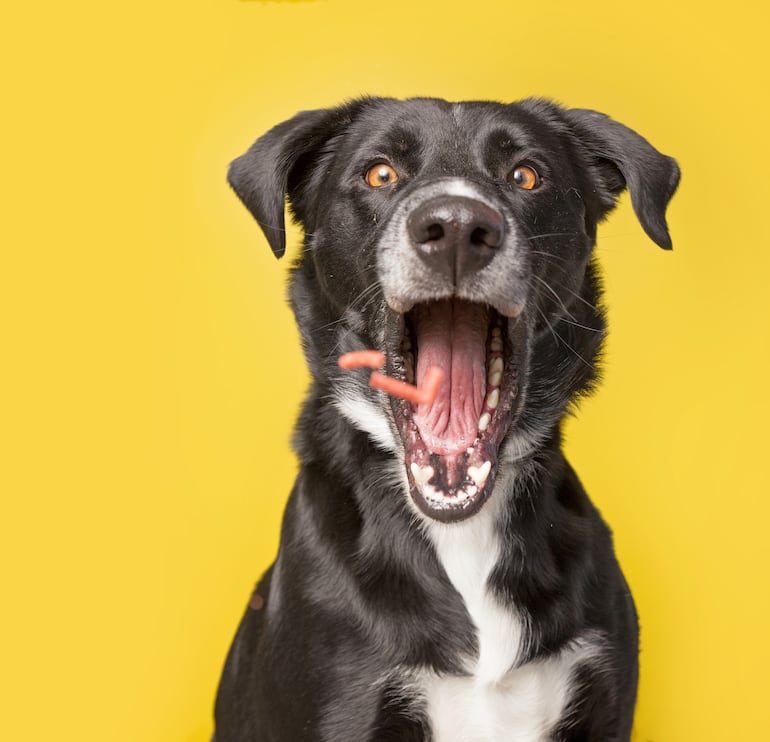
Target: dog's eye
(524, 177)
(380, 175)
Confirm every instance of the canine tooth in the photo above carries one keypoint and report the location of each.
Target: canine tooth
(493, 398)
(484, 421)
(496, 346)
(398, 305)
(479, 474)
(421, 474)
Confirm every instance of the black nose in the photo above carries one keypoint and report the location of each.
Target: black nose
(456, 235)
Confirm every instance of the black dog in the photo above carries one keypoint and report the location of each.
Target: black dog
(442, 574)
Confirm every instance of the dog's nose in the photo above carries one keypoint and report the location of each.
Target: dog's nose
(456, 235)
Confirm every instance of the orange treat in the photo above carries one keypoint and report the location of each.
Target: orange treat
(417, 395)
(374, 359)
(362, 359)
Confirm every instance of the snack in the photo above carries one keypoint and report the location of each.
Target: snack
(418, 395)
(397, 388)
(362, 359)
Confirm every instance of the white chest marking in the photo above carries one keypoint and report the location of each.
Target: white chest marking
(468, 551)
(498, 701)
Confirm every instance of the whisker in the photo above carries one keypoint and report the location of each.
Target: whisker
(560, 339)
(370, 289)
(550, 256)
(369, 293)
(545, 319)
(558, 298)
(551, 234)
(578, 297)
(583, 327)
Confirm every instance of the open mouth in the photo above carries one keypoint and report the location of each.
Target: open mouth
(451, 446)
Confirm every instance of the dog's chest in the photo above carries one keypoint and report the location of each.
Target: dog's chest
(498, 701)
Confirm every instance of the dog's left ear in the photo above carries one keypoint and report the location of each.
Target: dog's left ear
(278, 163)
(650, 176)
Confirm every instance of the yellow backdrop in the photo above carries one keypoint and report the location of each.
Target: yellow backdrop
(151, 369)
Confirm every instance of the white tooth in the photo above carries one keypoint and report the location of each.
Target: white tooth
(496, 332)
(484, 421)
(496, 346)
(421, 474)
(479, 474)
(493, 398)
(495, 372)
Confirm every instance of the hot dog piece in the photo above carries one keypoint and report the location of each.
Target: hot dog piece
(374, 359)
(362, 359)
(417, 395)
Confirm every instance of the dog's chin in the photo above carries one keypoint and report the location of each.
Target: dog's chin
(451, 448)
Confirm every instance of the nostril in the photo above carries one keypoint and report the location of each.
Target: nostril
(487, 232)
(434, 233)
(480, 236)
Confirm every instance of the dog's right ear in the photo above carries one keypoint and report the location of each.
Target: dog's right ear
(262, 176)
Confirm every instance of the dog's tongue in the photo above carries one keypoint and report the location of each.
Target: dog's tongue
(453, 336)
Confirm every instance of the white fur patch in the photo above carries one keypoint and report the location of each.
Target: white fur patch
(498, 701)
(457, 187)
(365, 415)
(525, 705)
(468, 551)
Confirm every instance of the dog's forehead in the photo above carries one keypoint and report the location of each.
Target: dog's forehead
(436, 127)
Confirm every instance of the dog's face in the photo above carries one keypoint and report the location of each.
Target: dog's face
(458, 236)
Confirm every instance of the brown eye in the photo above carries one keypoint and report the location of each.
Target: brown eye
(380, 175)
(524, 177)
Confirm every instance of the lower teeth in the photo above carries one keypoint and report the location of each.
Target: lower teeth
(484, 421)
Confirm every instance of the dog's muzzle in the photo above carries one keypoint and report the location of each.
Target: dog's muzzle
(450, 269)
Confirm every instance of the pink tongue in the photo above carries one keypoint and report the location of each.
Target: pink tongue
(453, 336)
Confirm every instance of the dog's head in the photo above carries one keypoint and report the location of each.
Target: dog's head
(459, 236)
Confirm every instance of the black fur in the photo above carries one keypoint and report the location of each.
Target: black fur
(358, 596)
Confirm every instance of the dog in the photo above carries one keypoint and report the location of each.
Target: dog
(442, 574)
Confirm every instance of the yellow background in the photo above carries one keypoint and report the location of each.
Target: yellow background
(151, 371)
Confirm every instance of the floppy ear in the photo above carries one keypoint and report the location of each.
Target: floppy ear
(270, 169)
(651, 177)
